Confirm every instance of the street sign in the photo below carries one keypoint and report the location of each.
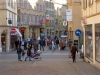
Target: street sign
(78, 32)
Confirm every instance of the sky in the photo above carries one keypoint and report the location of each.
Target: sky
(58, 2)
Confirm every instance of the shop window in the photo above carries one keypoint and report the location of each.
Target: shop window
(88, 42)
(97, 42)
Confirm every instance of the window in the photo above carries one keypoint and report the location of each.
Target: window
(25, 4)
(31, 18)
(40, 7)
(28, 18)
(9, 2)
(23, 17)
(43, 19)
(88, 42)
(35, 18)
(97, 42)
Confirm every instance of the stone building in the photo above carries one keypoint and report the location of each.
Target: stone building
(50, 12)
(60, 17)
(91, 26)
(75, 6)
(8, 20)
(31, 16)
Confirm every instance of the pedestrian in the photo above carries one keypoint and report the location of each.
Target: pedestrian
(23, 55)
(70, 43)
(60, 45)
(53, 46)
(16, 44)
(73, 52)
(28, 40)
(41, 44)
(28, 53)
(63, 44)
(19, 50)
(25, 45)
(35, 44)
(57, 42)
(49, 43)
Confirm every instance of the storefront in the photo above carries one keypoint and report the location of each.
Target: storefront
(92, 44)
(15, 35)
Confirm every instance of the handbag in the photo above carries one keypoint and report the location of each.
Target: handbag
(70, 55)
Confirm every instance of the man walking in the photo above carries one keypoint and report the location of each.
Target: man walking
(19, 50)
(73, 52)
(41, 44)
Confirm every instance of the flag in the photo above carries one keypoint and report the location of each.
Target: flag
(56, 21)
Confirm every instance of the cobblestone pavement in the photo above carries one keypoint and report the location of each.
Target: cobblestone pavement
(48, 67)
(52, 63)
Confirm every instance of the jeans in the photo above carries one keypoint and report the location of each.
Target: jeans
(42, 47)
(19, 56)
(28, 57)
(53, 48)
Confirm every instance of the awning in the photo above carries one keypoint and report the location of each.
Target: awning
(64, 36)
(15, 31)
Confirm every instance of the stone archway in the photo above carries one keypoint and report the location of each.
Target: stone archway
(5, 39)
(2, 39)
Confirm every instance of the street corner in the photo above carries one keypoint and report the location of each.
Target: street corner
(32, 70)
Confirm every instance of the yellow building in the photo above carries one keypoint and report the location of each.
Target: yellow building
(75, 6)
(91, 24)
(30, 14)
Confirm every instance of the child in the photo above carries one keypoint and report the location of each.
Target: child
(23, 54)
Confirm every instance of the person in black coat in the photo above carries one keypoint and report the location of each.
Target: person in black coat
(19, 50)
(25, 45)
(41, 44)
(28, 53)
(73, 52)
(57, 42)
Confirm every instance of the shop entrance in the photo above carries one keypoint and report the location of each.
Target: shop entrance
(3, 41)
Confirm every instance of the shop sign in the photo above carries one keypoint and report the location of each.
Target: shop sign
(64, 23)
(22, 29)
(13, 30)
(75, 42)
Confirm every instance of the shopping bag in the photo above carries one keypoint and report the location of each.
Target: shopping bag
(70, 55)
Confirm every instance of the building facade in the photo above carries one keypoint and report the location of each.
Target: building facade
(31, 17)
(91, 26)
(60, 17)
(8, 10)
(50, 12)
(75, 6)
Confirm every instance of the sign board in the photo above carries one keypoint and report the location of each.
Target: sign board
(69, 14)
(69, 18)
(64, 23)
(47, 17)
(75, 42)
(78, 32)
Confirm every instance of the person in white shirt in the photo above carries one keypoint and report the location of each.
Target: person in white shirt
(53, 46)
